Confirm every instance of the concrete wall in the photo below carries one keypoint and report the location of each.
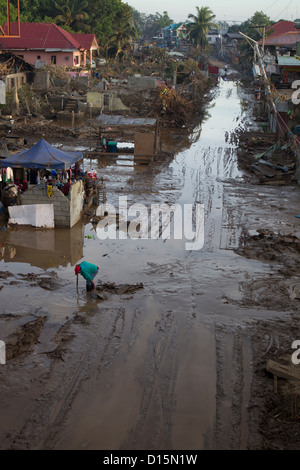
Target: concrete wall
(61, 204)
(76, 202)
(15, 80)
(37, 215)
(95, 99)
(115, 103)
(98, 99)
(41, 81)
(62, 58)
(2, 92)
(142, 83)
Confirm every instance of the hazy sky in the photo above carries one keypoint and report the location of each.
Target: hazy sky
(228, 10)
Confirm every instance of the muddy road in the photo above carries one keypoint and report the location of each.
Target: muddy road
(178, 362)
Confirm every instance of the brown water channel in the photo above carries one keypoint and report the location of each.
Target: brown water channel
(168, 366)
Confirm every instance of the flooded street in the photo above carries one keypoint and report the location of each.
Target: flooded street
(172, 365)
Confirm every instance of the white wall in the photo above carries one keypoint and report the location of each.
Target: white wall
(37, 215)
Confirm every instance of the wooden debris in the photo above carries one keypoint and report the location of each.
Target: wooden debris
(289, 372)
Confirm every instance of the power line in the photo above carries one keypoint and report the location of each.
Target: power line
(285, 8)
(274, 3)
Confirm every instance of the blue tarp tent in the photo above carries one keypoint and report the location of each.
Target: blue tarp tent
(42, 155)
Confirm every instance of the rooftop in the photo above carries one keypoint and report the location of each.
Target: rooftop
(287, 60)
(43, 36)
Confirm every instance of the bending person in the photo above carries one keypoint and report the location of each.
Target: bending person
(88, 271)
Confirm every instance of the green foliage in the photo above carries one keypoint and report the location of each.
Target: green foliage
(163, 20)
(150, 25)
(249, 26)
(3, 12)
(198, 28)
(113, 22)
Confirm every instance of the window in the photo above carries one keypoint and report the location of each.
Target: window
(38, 57)
(67, 58)
(76, 62)
(53, 59)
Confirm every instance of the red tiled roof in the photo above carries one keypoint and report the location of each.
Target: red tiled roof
(282, 27)
(86, 40)
(39, 36)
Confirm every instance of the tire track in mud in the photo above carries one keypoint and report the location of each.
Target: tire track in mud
(56, 395)
(93, 360)
(158, 379)
(154, 421)
(234, 367)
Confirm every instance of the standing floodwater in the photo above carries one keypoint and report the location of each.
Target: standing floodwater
(167, 365)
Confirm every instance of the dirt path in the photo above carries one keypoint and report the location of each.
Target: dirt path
(179, 363)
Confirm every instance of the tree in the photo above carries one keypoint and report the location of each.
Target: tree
(253, 27)
(124, 30)
(71, 13)
(197, 29)
(163, 20)
(151, 24)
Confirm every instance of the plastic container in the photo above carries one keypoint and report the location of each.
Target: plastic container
(112, 147)
(297, 130)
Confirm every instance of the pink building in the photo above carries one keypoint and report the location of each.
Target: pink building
(48, 43)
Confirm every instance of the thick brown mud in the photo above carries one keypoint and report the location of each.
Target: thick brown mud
(172, 353)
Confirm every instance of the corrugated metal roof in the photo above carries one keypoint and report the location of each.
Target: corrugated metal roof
(113, 120)
(234, 35)
(285, 39)
(286, 60)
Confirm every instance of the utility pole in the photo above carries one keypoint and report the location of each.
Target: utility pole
(263, 35)
(262, 67)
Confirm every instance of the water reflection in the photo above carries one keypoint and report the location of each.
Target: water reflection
(43, 248)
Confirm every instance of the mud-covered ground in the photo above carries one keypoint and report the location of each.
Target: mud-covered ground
(171, 351)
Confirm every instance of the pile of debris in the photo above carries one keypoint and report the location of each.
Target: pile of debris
(270, 163)
(286, 376)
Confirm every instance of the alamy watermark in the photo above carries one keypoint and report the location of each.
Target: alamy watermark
(296, 354)
(296, 94)
(2, 353)
(180, 222)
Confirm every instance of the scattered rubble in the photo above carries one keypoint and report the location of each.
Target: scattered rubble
(266, 160)
(105, 290)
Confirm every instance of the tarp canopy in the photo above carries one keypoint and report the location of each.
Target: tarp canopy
(42, 155)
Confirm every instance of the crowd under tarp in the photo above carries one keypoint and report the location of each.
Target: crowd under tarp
(42, 155)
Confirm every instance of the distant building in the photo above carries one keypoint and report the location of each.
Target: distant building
(213, 38)
(171, 36)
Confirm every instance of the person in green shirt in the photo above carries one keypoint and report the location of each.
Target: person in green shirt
(88, 271)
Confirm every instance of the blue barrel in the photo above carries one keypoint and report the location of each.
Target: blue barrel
(297, 130)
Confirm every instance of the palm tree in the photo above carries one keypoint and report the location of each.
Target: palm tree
(199, 27)
(71, 13)
(124, 29)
